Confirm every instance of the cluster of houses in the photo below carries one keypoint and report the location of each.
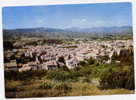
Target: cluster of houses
(47, 57)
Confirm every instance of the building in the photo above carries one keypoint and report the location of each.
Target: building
(71, 63)
(50, 65)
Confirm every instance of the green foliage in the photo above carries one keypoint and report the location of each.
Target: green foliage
(91, 61)
(12, 85)
(61, 59)
(47, 85)
(114, 56)
(88, 62)
(59, 75)
(85, 71)
(126, 56)
(27, 75)
(82, 63)
(8, 45)
(105, 58)
(118, 78)
(63, 86)
(59, 86)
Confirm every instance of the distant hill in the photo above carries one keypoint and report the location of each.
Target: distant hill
(74, 31)
(123, 29)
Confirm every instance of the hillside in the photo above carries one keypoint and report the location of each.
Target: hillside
(99, 31)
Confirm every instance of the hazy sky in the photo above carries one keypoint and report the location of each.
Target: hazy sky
(66, 16)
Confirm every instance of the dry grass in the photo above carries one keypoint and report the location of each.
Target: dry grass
(84, 89)
(12, 85)
(117, 91)
(17, 89)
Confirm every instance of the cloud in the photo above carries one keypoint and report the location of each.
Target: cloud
(83, 20)
(40, 21)
(79, 21)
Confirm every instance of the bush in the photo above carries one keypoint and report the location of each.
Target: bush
(89, 71)
(86, 71)
(118, 78)
(13, 86)
(63, 86)
(59, 86)
(61, 59)
(91, 61)
(82, 63)
(47, 85)
(59, 75)
(26, 75)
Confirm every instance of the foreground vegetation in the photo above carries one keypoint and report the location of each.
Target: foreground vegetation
(91, 78)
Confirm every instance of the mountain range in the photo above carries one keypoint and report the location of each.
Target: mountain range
(73, 31)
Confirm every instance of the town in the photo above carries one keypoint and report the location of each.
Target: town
(49, 57)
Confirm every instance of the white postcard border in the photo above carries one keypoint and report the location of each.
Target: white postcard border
(6, 3)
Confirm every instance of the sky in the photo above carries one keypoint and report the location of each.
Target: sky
(67, 16)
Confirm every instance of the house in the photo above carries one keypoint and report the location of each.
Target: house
(29, 66)
(72, 63)
(50, 65)
(12, 65)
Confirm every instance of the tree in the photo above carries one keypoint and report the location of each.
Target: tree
(8, 45)
(114, 56)
(126, 56)
(61, 59)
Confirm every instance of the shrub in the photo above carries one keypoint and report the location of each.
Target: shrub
(63, 86)
(47, 85)
(59, 86)
(86, 71)
(91, 61)
(26, 75)
(61, 59)
(118, 78)
(82, 63)
(12, 85)
(58, 75)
